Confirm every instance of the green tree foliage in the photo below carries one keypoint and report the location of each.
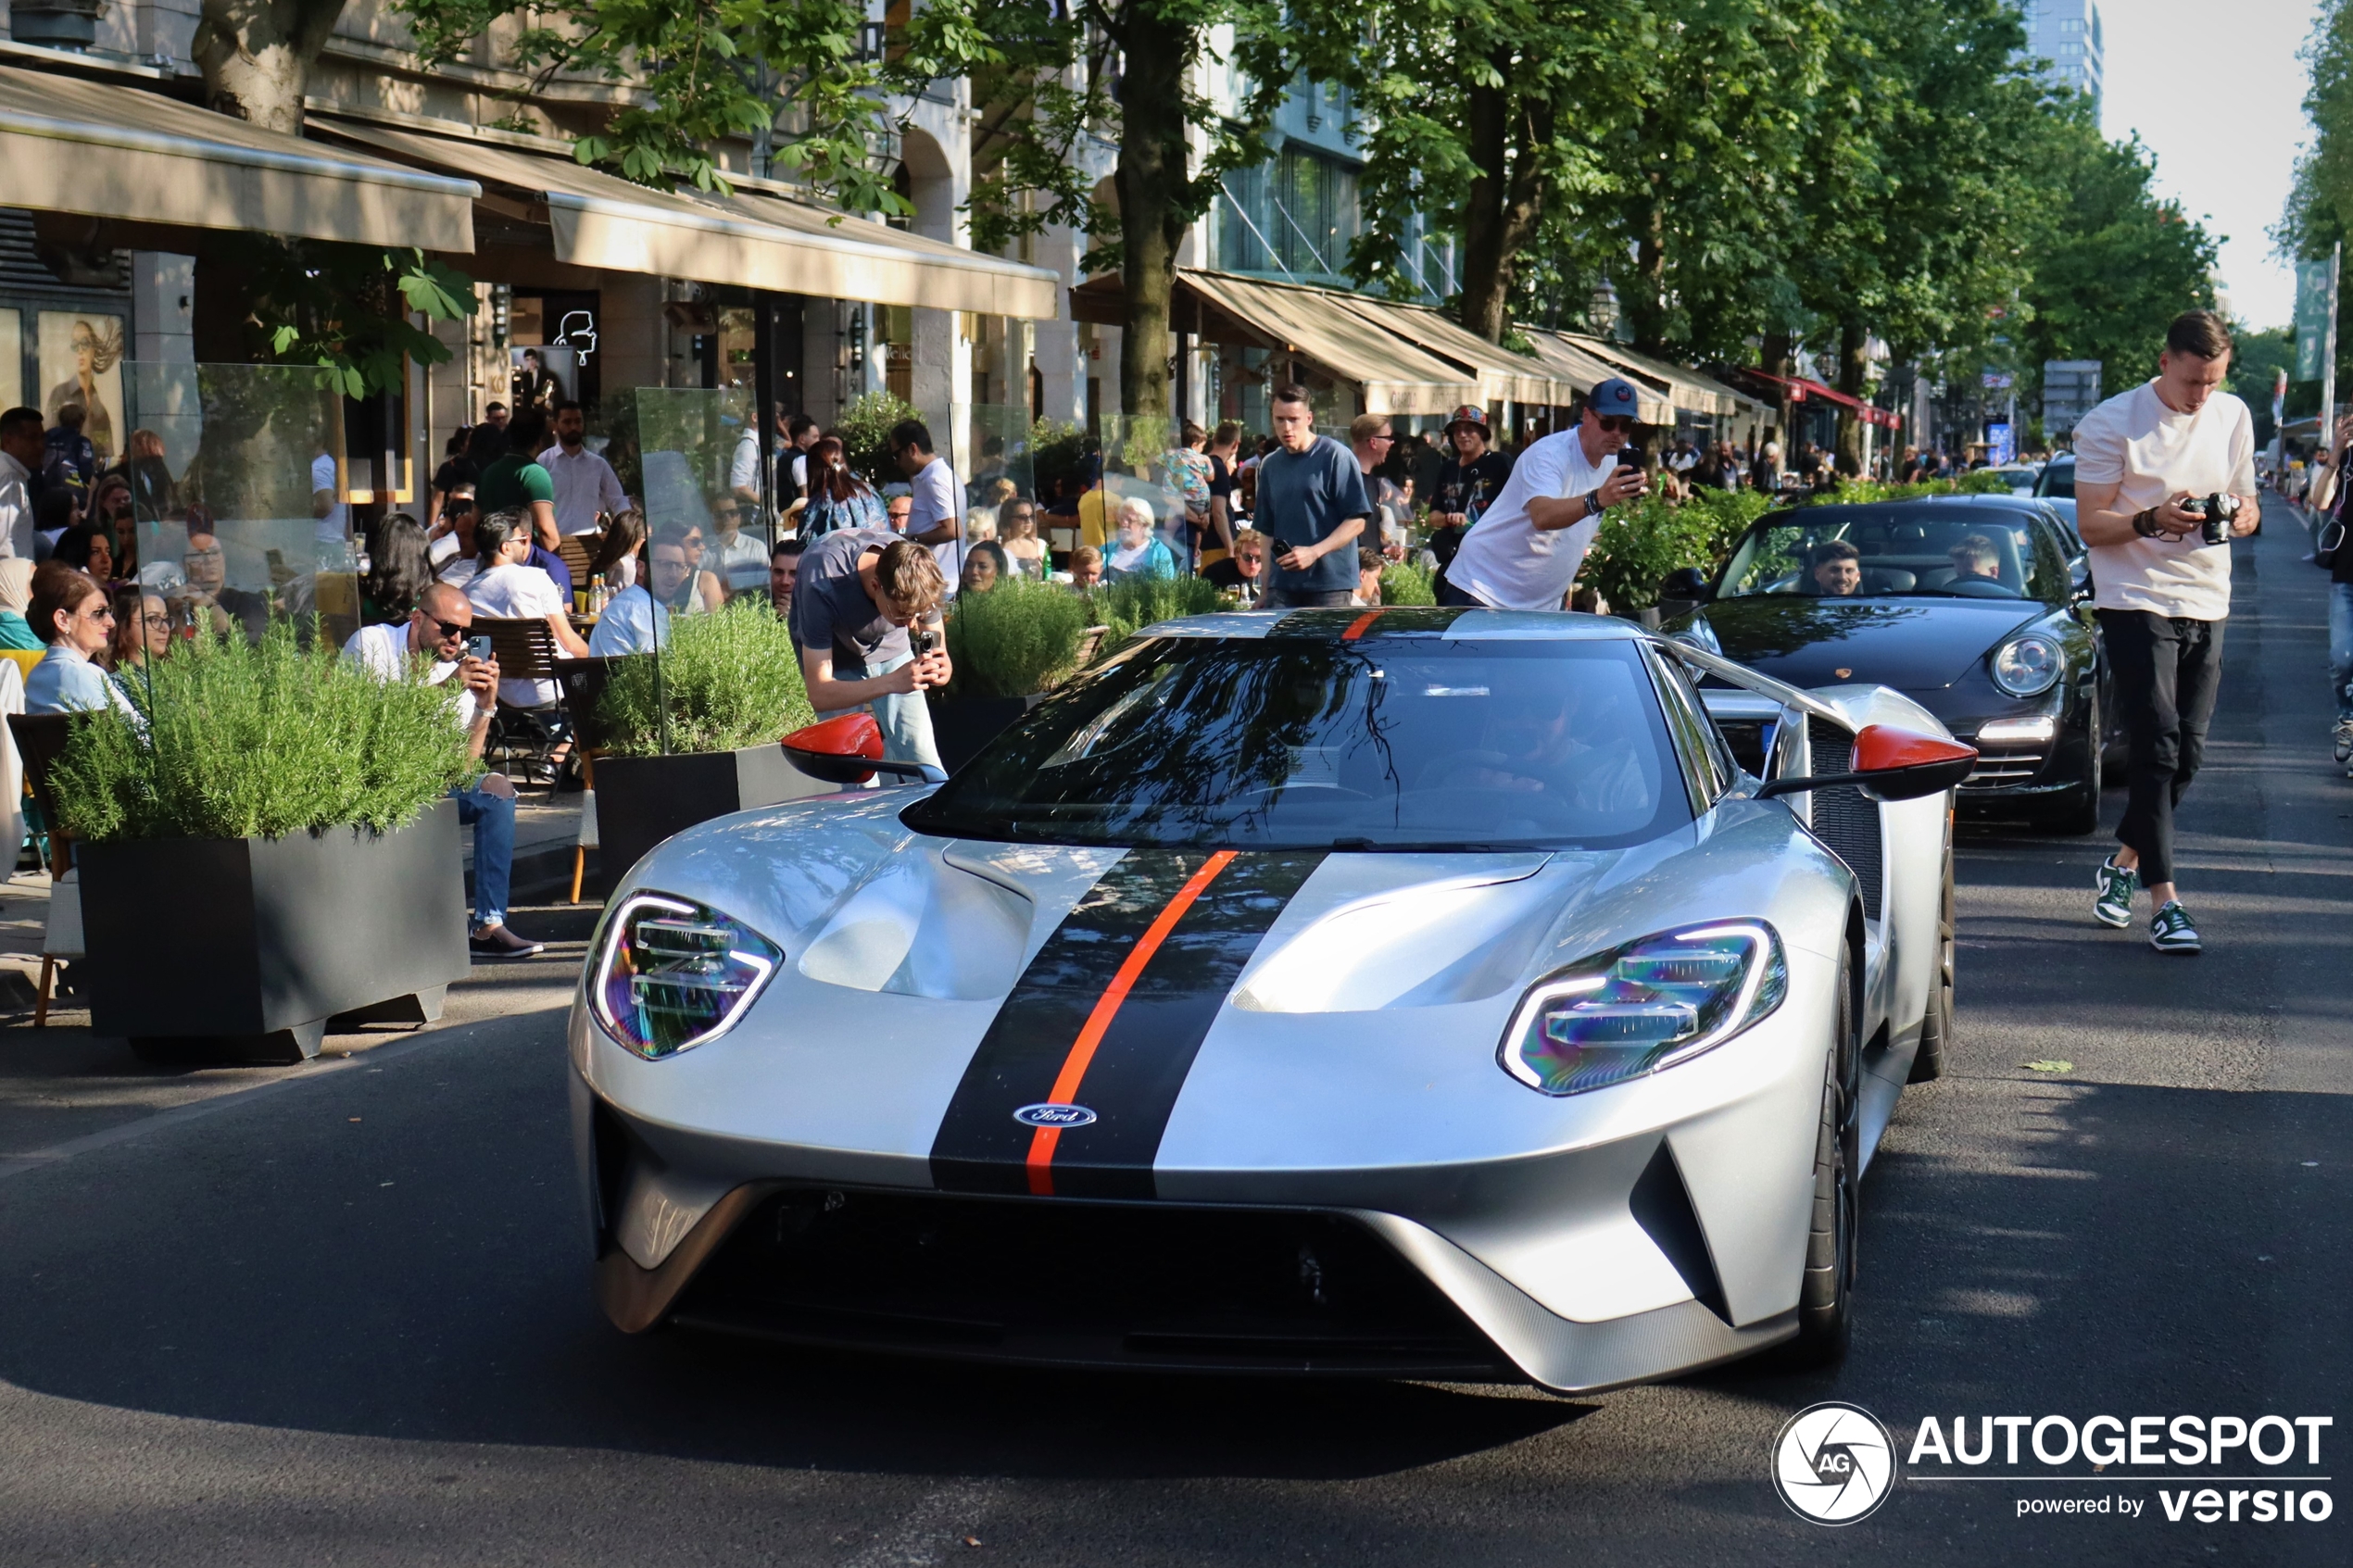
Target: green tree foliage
(2320, 203)
(344, 307)
(727, 680)
(2114, 262)
(240, 740)
(864, 425)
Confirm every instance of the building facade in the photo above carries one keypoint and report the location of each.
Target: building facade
(2065, 34)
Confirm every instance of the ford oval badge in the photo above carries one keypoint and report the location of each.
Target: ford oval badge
(1053, 1116)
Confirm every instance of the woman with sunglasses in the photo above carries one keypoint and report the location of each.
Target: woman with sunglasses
(69, 612)
(1526, 551)
(1017, 527)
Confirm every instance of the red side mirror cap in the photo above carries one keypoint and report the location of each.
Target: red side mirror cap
(837, 751)
(1897, 764)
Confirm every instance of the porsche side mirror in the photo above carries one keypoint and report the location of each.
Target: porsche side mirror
(1686, 583)
(1890, 764)
(847, 749)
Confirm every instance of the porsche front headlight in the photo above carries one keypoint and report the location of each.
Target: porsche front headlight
(1646, 1006)
(2029, 665)
(671, 974)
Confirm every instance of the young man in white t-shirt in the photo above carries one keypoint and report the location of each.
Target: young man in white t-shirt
(508, 589)
(2144, 460)
(436, 631)
(936, 516)
(1524, 552)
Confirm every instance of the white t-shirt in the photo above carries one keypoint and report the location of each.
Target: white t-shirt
(935, 501)
(383, 651)
(519, 593)
(586, 485)
(743, 468)
(1507, 561)
(2134, 440)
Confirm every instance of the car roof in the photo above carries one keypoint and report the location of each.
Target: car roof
(1407, 621)
(2009, 499)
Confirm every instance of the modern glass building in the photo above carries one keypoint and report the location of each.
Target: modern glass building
(2065, 35)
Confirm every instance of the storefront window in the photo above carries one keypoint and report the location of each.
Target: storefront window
(81, 366)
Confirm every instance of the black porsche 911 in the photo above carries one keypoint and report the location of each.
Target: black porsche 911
(1977, 608)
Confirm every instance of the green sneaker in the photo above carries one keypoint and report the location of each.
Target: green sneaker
(2116, 885)
(2172, 932)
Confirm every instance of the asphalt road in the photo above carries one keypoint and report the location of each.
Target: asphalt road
(342, 1315)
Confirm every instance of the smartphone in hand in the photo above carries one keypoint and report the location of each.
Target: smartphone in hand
(478, 649)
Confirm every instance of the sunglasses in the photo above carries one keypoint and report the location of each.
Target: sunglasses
(452, 628)
(1615, 424)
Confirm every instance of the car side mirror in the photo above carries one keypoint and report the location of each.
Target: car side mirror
(1686, 583)
(847, 750)
(1890, 764)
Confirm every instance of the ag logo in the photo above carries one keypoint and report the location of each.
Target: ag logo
(1834, 1463)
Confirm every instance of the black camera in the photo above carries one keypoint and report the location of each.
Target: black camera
(2220, 512)
(922, 640)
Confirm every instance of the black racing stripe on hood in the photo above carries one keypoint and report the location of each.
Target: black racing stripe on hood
(1333, 626)
(1138, 1068)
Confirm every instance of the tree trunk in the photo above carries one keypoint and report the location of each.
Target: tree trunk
(1778, 346)
(1646, 302)
(1853, 361)
(1505, 200)
(256, 55)
(1151, 175)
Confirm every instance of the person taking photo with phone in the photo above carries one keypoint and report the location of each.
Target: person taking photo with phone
(432, 647)
(1525, 553)
(2156, 472)
(865, 608)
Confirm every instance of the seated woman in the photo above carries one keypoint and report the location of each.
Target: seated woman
(986, 520)
(618, 552)
(142, 632)
(16, 586)
(1017, 532)
(69, 612)
(86, 547)
(399, 568)
(985, 566)
(1137, 553)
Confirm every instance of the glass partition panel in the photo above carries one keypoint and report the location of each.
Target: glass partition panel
(1143, 463)
(1004, 479)
(689, 457)
(238, 506)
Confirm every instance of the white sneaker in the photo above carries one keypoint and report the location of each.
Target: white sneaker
(2344, 739)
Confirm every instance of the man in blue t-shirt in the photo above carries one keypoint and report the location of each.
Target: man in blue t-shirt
(1312, 504)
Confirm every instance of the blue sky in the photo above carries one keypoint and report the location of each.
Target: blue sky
(2231, 165)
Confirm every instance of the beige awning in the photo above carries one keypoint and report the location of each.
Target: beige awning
(1504, 376)
(755, 241)
(70, 146)
(1580, 372)
(1391, 375)
(1692, 392)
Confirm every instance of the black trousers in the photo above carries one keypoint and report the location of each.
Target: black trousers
(2168, 669)
(1449, 595)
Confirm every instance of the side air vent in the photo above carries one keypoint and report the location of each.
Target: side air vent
(1663, 1208)
(1844, 820)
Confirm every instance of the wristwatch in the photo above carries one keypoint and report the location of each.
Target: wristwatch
(1593, 505)
(2145, 522)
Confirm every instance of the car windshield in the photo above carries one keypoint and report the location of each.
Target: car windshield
(1901, 551)
(2057, 479)
(1392, 743)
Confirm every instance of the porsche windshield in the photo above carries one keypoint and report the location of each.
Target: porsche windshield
(1392, 742)
(1870, 552)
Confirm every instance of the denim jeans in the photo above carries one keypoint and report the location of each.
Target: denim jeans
(905, 717)
(2341, 647)
(493, 818)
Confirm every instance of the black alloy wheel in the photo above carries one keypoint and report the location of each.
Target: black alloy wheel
(1936, 1024)
(1826, 1292)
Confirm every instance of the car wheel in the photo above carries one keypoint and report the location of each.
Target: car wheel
(1936, 1024)
(1824, 1296)
(2077, 812)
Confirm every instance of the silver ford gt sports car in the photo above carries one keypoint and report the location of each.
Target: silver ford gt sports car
(1416, 993)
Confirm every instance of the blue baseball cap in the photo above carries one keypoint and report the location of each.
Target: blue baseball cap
(1615, 395)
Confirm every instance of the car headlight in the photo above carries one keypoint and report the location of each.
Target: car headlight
(671, 974)
(2029, 665)
(1646, 1006)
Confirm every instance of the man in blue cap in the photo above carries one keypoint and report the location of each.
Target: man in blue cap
(1525, 552)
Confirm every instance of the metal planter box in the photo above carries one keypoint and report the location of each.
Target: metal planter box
(642, 801)
(246, 948)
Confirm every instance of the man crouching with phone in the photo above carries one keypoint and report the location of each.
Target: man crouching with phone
(435, 644)
(865, 620)
(1525, 552)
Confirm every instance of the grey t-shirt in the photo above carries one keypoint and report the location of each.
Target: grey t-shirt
(1302, 497)
(830, 608)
